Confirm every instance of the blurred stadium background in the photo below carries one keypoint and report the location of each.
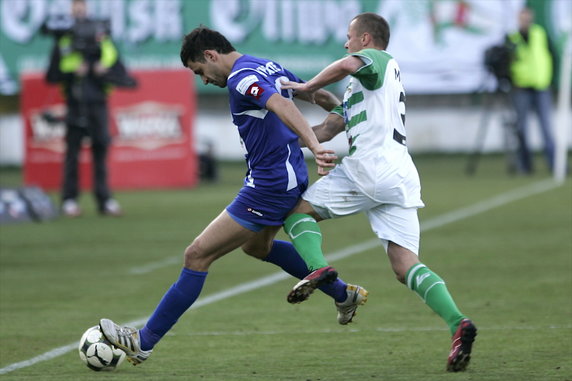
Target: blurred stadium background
(440, 45)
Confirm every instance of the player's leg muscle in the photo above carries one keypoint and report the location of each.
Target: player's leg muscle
(401, 260)
(220, 237)
(261, 243)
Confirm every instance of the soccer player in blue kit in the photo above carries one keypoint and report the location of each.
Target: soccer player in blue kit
(269, 125)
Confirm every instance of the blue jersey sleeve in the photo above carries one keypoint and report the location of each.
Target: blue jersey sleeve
(275, 161)
(255, 88)
(252, 88)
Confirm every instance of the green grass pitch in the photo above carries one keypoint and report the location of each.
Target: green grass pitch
(505, 253)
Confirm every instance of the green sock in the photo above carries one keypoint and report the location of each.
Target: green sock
(306, 236)
(431, 288)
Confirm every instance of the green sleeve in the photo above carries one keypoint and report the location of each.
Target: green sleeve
(338, 110)
(375, 63)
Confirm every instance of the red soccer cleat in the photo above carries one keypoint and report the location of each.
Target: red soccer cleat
(303, 289)
(461, 348)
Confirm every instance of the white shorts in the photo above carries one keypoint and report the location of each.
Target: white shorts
(335, 195)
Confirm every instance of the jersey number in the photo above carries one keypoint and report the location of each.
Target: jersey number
(401, 107)
(278, 84)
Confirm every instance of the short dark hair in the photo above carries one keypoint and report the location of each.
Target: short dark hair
(201, 39)
(376, 26)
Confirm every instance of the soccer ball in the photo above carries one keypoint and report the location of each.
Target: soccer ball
(98, 353)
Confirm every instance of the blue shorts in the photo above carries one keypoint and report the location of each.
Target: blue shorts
(254, 210)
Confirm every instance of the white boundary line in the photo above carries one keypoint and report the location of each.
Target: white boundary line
(439, 221)
(357, 330)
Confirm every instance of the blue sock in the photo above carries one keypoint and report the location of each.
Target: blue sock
(284, 255)
(175, 302)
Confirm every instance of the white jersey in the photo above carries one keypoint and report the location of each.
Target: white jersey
(374, 112)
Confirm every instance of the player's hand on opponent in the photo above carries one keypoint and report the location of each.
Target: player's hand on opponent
(301, 90)
(325, 159)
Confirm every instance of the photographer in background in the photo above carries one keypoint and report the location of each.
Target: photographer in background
(531, 75)
(85, 62)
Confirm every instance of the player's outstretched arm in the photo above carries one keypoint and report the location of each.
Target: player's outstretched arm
(334, 72)
(322, 98)
(329, 128)
(287, 111)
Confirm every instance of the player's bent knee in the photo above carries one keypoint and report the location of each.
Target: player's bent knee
(399, 272)
(255, 251)
(401, 259)
(258, 247)
(195, 258)
(399, 276)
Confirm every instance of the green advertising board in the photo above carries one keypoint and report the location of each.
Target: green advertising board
(303, 35)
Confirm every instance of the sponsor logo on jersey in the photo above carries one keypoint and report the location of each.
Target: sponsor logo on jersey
(259, 214)
(245, 83)
(255, 91)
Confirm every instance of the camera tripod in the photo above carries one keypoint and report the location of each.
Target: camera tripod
(499, 100)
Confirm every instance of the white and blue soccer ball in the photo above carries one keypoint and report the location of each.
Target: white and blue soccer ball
(98, 353)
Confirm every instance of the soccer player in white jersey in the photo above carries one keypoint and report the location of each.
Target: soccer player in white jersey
(377, 177)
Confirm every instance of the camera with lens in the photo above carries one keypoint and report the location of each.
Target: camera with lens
(86, 38)
(85, 34)
(497, 60)
(57, 25)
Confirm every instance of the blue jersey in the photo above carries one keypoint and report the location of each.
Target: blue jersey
(274, 158)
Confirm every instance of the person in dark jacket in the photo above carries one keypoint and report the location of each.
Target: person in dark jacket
(85, 62)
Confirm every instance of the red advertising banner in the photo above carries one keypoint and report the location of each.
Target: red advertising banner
(151, 127)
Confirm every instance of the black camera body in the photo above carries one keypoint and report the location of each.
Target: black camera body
(86, 37)
(57, 25)
(497, 60)
(86, 34)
